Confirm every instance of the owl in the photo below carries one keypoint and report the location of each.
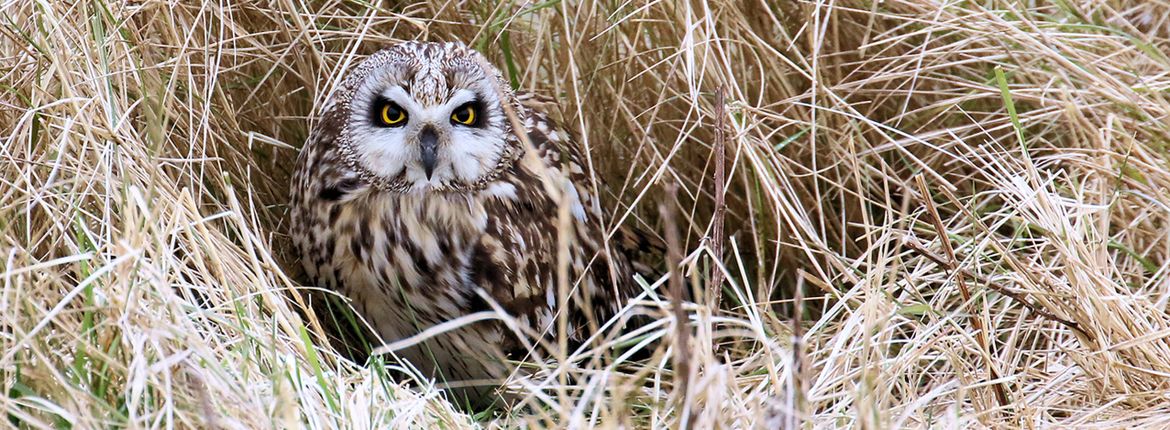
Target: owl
(429, 190)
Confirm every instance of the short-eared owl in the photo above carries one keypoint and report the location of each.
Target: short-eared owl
(415, 190)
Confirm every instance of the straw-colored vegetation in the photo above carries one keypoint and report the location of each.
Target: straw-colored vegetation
(959, 208)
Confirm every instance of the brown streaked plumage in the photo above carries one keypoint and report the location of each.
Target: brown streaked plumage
(405, 201)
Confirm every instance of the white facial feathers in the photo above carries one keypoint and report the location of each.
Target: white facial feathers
(428, 85)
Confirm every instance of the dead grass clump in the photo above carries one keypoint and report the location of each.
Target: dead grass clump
(938, 214)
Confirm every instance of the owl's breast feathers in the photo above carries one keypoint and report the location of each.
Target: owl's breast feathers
(389, 251)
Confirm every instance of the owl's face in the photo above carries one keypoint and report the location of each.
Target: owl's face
(428, 117)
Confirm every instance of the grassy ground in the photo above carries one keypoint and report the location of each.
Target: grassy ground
(931, 213)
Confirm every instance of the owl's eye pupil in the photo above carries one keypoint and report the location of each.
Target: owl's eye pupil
(464, 115)
(393, 115)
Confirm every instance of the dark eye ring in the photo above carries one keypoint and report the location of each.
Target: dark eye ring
(392, 115)
(466, 114)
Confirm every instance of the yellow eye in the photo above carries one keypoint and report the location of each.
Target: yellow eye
(393, 115)
(464, 115)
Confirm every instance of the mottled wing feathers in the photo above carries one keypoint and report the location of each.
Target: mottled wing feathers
(520, 244)
(644, 252)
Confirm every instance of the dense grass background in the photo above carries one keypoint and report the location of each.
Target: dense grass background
(935, 213)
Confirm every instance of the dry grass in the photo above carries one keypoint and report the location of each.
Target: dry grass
(960, 208)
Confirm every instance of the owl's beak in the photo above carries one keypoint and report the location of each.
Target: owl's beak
(428, 146)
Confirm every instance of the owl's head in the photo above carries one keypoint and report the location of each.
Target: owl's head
(423, 117)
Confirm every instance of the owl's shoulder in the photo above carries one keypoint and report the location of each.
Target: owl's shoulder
(559, 148)
(537, 102)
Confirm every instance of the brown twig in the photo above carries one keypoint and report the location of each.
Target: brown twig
(798, 357)
(918, 247)
(951, 264)
(682, 362)
(1011, 260)
(720, 190)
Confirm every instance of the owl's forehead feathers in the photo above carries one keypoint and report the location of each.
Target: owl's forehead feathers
(431, 72)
